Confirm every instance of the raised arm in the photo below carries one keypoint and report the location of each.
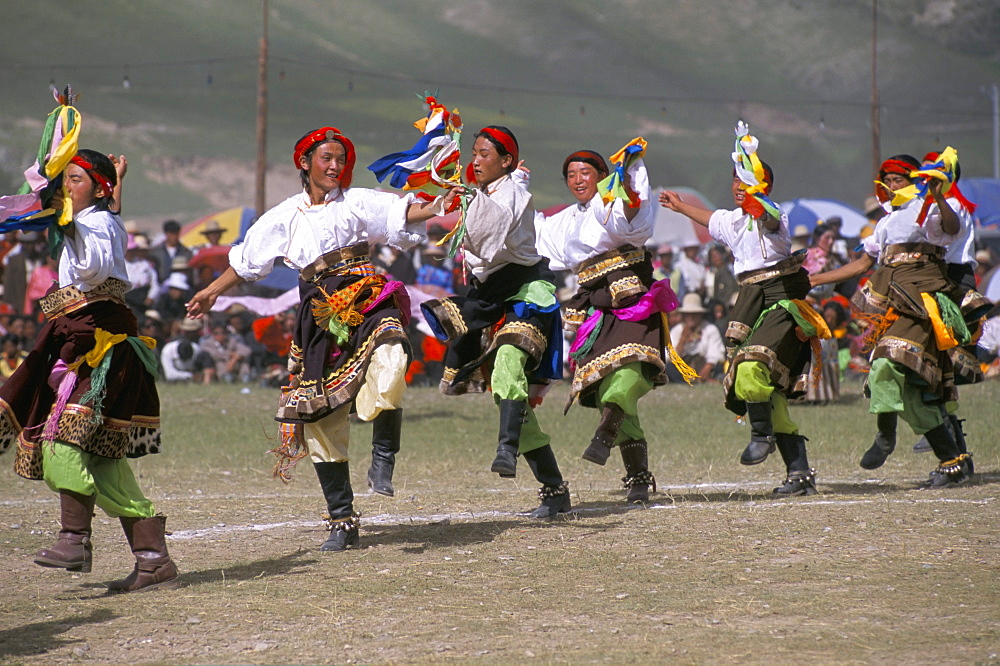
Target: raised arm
(859, 266)
(421, 212)
(672, 200)
(950, 223)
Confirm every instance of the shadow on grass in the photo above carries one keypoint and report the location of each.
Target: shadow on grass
(417, 539)
(41, 637)
(278, 566)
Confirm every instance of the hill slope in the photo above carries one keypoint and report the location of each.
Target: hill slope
(562, 74)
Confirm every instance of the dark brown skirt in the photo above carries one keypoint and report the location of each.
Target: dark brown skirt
(129, 422)
(475, 326)
(774, 342)
(623, 276)
(326, 376)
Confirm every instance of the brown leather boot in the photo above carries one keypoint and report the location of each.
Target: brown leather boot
(72, 551)
(122, 584)
(153, 567)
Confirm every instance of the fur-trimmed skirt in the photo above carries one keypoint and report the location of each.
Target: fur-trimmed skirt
(475, 326)
(892, 300)
(774, 341)
(123, 420)
(327, 374)
(611, 281)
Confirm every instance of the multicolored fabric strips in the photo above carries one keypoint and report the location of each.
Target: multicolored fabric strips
(432, 164)
(615, 186)
(751, 172)
(943, 169)
(26, 210)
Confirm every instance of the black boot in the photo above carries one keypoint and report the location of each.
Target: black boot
(513, 414)
(959, 434)
(72, 550)
(386, 429)
(761, 434)
(605, 435)
(884, 444)
(954, 465)
(801, 479)
(335, 480)
(554, 492)
(637, 477)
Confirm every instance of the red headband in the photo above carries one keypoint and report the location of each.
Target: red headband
(587, 157)
(896, 166)
(504, 139)
(98, 178)
(322, 135)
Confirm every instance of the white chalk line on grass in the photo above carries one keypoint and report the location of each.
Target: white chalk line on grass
(388, 519)
(665, 489)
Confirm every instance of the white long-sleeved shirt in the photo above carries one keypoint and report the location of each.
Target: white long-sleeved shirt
(962, 249)
(300, 233)
(582, 231)
(95, 251)
(732, 227)
(900, 226)
(500, 228)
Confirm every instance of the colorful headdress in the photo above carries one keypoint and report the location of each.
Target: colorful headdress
(587, 157)
(27, 209)
(432, 164)
(322, 135)
(902, 165)
(944, 167)
(624, 161)
(750, 170)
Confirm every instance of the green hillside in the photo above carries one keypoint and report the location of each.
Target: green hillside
(562, 74)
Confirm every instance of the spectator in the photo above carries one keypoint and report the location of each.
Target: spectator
(142, 274)
(800, 237)
(697, 341)
(721, 284)
(231, 357)
(165, 253)
(11, 356)
(693, 271)
(171, 301)
(19, 264)
(40, 283)
(433, 276)
(183, 359)
(212, 231)
(667, 270)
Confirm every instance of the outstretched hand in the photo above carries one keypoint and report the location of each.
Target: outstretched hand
(200, 304)
(671, 200)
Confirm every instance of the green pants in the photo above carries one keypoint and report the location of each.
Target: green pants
(753, 384)
(67, 467)
(890, 392)
(624, 387)
(510, 382)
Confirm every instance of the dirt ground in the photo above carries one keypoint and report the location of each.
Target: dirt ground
(872, 570)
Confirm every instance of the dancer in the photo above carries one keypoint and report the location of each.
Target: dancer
(85, 399)
(615, 313)
(509, 319)
(350, 351)
(770, 323)
(918, 314)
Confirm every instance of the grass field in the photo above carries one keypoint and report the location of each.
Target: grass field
(871, 570)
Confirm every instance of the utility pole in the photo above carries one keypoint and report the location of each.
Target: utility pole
(875, 122)
(994, 95)
(261, 170)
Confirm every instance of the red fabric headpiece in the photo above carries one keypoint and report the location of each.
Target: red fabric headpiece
(896, 166)
(98, 178)
(322, 135)
(504, 139)
(587, 157)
